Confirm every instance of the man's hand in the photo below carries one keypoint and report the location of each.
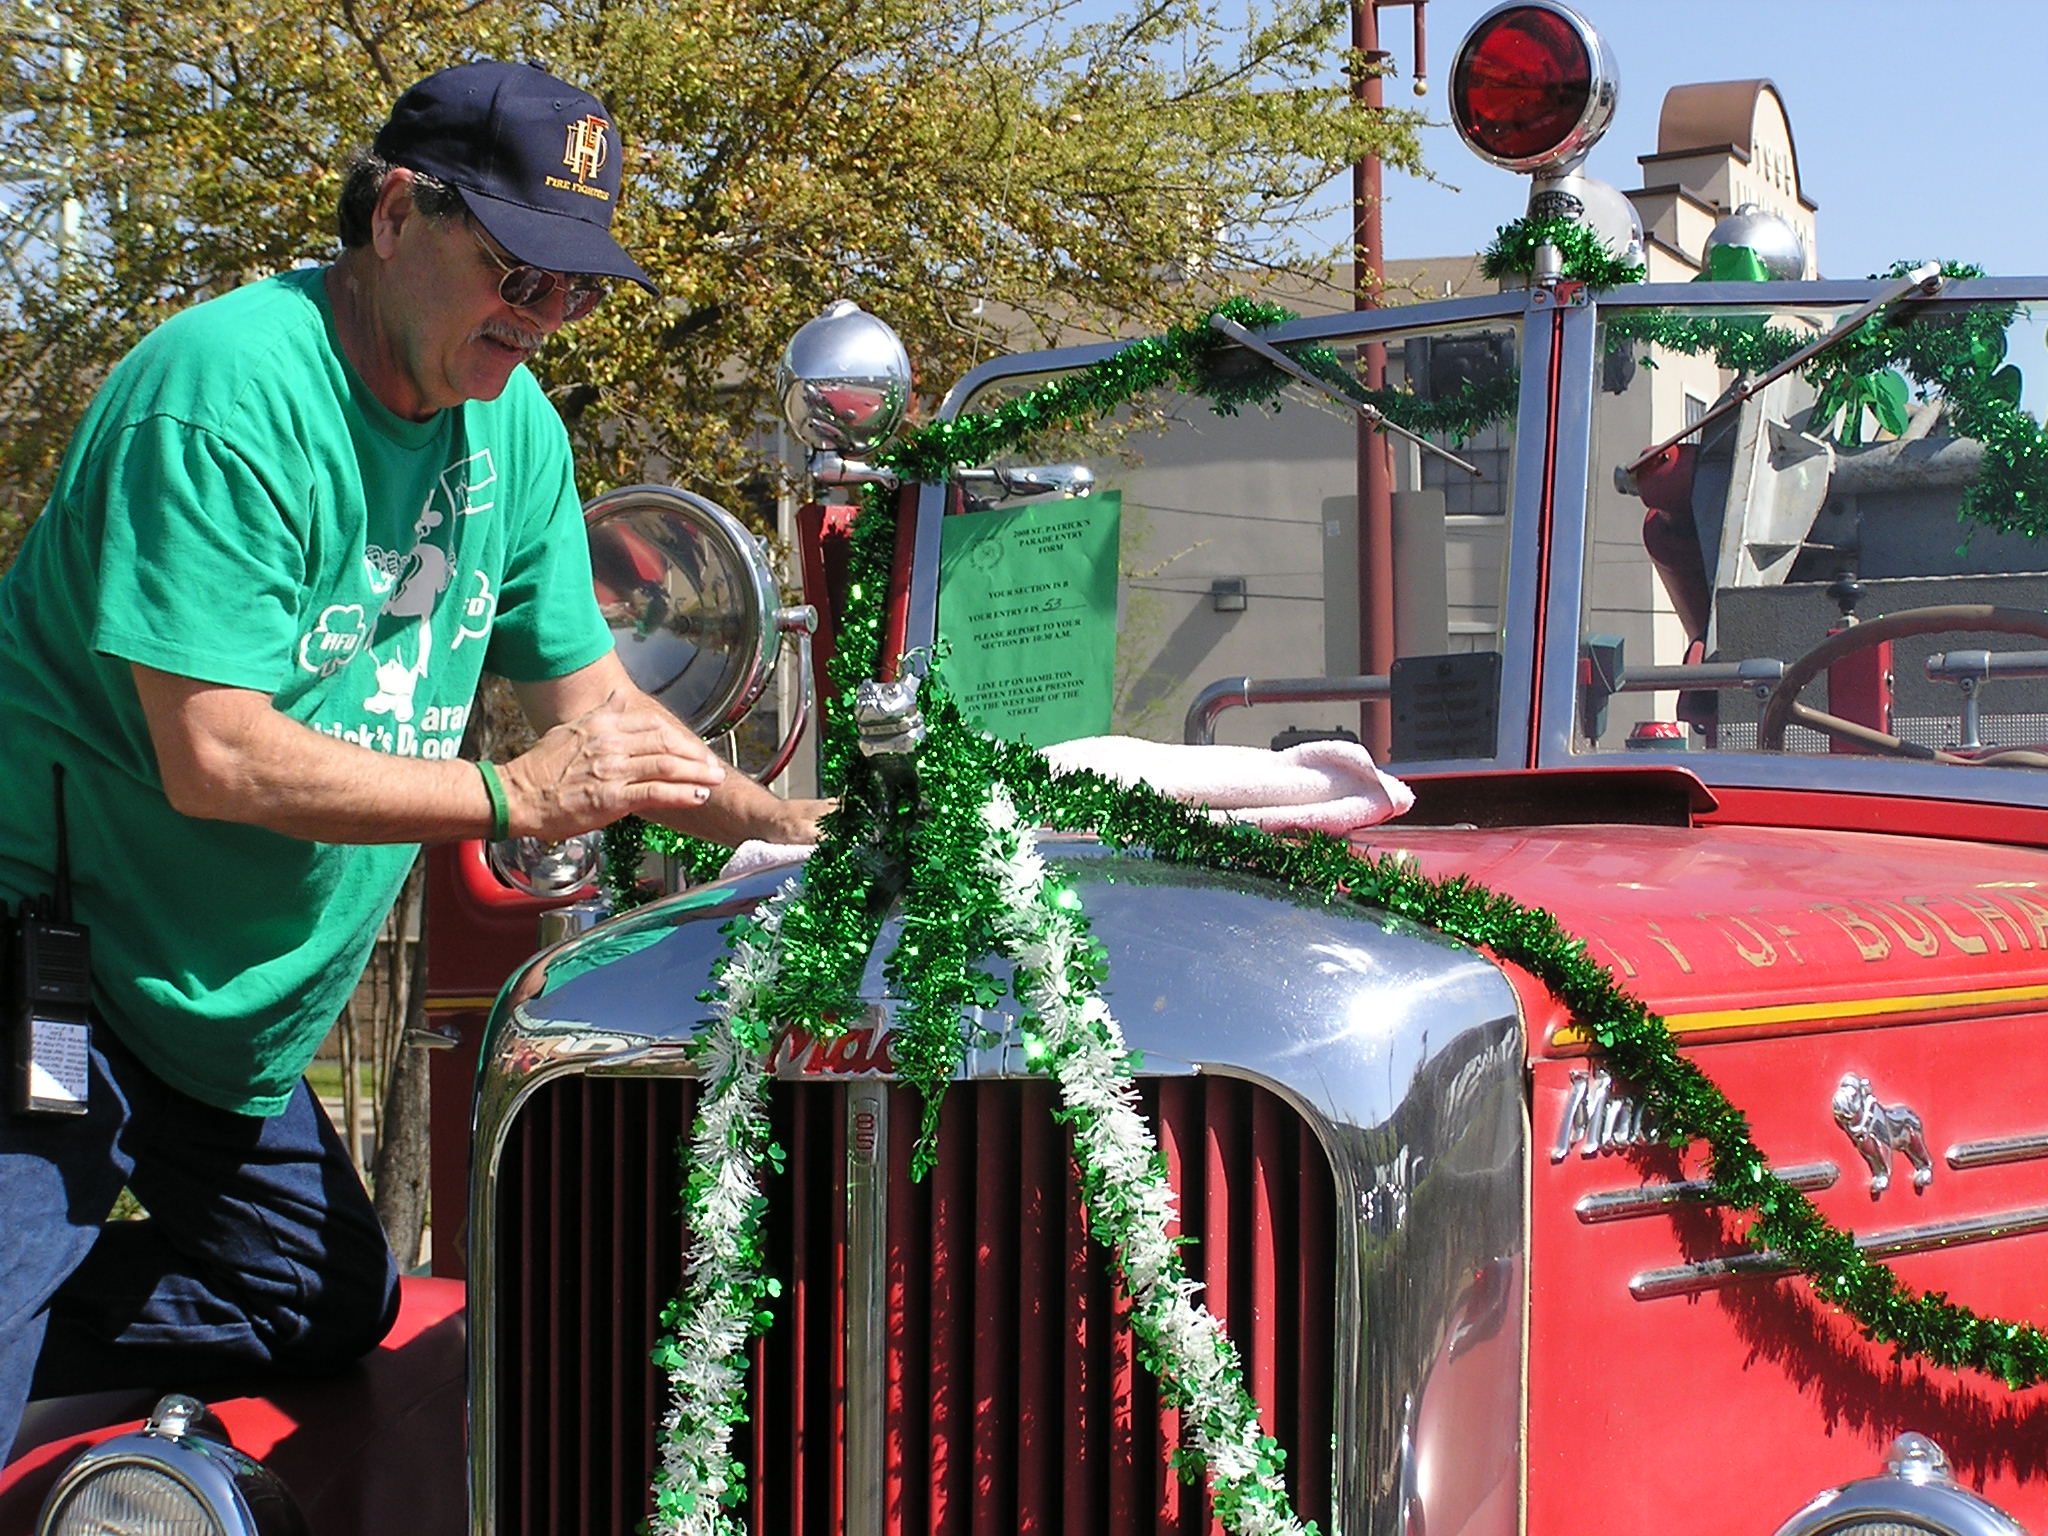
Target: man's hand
(627, 755)
(789, 822)
(737, 808)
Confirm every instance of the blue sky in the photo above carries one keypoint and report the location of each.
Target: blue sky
(1921, 129)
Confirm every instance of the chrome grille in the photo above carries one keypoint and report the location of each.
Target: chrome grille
(1012, 1400)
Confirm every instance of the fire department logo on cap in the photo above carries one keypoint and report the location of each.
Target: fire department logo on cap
(587, 149)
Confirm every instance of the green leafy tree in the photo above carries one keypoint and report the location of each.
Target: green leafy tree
(939, 161)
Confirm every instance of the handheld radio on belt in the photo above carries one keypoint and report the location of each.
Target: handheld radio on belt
(49, 995)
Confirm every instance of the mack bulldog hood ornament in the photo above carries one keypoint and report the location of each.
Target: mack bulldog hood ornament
(1877, 1130)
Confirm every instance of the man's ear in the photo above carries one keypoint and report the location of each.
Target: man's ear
(394, 207)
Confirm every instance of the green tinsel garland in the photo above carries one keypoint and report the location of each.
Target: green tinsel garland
(1633, 1041)
(876, 852)
(1197, 360)
(1960, 354)
(1586, 257)
(626, 841)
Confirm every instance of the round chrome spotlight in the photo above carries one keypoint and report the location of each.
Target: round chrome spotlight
(691, 600)
(844, 381)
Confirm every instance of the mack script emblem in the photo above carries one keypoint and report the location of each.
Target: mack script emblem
(862, 1051)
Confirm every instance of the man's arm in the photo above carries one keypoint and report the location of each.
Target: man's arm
(738, 808)
(226, 754)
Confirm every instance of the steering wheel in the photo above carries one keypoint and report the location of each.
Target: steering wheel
(1784, 707)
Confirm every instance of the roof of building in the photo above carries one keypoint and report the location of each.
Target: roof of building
(1718, 115)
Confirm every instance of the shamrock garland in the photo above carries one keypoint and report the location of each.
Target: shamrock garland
(956, 861)
(1962, 355)
(969, 880)
(1586, 257)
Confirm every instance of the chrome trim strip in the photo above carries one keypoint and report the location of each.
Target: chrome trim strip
(1512, 305)
(921, 603)
(1578, 379)
(1652, 1199)
(1440, 314)
(1340, 326)
(1712, 1274)
(1955, 295)
(1522, 598)
(867, 1303)
(1998, 1149)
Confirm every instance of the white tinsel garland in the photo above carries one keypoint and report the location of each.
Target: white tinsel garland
(705, 1350)
(1042, 932)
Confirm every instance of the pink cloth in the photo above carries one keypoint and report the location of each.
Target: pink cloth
(1319, 786)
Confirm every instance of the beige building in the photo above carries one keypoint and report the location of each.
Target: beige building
(1720, 147)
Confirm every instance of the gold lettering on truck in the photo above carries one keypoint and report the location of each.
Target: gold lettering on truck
(1865, 934)
(1968, 943)
(1991, 914)
(1656, 933)
(2035, 913)
(1921, 939)
(1759, 952)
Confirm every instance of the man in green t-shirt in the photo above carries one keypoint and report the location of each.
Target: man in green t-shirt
(293, 529)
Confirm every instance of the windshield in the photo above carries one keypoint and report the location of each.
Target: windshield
(1207, 585)
(1832, 573)
(1813, 571)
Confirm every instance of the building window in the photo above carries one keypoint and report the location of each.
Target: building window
(1463, 495)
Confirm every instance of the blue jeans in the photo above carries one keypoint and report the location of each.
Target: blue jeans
(261, 1251)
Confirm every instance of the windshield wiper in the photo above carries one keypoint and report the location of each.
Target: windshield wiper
(1923, 282)
(1374, 417)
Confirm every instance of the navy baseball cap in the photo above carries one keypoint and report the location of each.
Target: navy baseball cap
(536, 161)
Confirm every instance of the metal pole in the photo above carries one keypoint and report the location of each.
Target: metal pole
(1375, 467)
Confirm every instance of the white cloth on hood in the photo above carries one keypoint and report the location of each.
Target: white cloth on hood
(1318, 786)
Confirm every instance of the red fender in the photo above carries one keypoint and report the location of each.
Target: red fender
(375, 1448)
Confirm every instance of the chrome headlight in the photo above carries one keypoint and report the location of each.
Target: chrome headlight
(176, 1476)
(1916, 1496)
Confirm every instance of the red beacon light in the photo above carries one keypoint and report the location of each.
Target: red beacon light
(1533, 87)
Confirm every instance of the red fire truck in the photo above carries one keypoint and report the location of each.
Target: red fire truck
(1706, 618)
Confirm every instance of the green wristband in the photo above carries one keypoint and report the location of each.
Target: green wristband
(501, 813)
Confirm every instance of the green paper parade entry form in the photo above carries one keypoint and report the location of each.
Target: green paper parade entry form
(1027, 605)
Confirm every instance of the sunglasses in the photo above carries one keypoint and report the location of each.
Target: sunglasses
(524, 286)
